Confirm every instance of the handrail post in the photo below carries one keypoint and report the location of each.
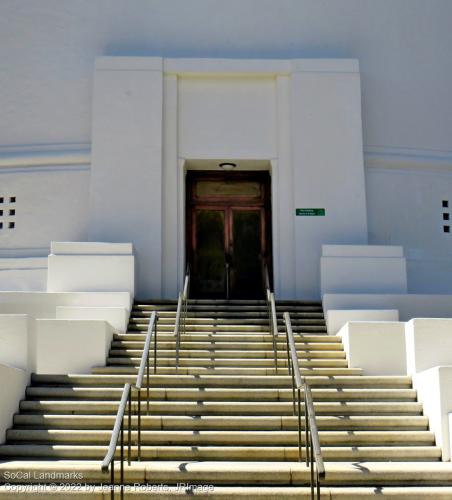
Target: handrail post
(299, 425)
(155, 344)
(306, 427)
(139, 425)
(147, 384)
(129, 429)
(126, 404)
(122, 459)
(313, 450)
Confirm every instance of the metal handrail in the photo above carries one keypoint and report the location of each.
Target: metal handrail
(271, 311)
(182, 309)
(145, 365)
(118, 430)
(312, 441)
(126, 400)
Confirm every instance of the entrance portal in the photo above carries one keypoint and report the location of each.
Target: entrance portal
(228, 233)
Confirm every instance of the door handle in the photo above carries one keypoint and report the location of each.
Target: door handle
(227, 267)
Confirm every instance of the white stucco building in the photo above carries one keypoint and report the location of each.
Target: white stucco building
(107, 105)
(308, 139)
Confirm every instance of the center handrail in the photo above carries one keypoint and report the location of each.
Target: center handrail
(312, 440)
(271, 311)
(181, 313)
(126, 400)
(144, 364)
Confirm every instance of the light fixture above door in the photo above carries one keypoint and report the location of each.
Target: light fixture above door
(227, 165)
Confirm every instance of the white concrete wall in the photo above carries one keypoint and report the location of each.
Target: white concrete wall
(428, 344)
(336, 318)
(14, 340)
(378, 347)
(126, 173)
(434, 388)
(91, 267)
(227, 117)
(70, 346)
(51, 203)
(10, 395)
(327, 161)
(47, 90)
(411, 214)
(362, 269)
(23, 274)
(409, 305)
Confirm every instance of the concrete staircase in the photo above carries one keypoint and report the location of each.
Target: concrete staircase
(225, 418)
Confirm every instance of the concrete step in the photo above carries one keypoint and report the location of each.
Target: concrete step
(224, 437)
(231, 362)
(226, 314)
(186, 490)
(222, 394)
(362, 381)
(223, 407)
(266, 363)
(255, 337)
(226, 453)
(164, 344)
(231, 354)
(228, 328)
(195, 370)
(213, 422)
(429, 473)
(221, 320)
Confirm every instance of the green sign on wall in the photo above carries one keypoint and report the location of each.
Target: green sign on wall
(310, 212)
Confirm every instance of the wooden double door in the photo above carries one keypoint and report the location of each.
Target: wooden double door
(228, 233)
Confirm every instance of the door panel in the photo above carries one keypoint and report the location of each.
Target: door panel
(209, 252)
(228, 233)
(247, 250)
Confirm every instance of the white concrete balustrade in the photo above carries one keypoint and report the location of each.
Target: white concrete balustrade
(337, 318)
(44, 304)
(422, 348)
(376, 347)
(117, 317)
(362, 269)
(91, 267)
(428, 343)
(62, 346)
(12, 390)
(434, 389)
(14, 340)
(54, 345)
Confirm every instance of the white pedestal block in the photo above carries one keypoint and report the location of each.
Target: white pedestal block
(428, 343)
(117, 317)
(91, 267)
(362, 269)
(12, 390)
(434, 388)
(70, 346)
(376, 347)
(43, 305)
(336, 318)
(409, 305)
(14, 330)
